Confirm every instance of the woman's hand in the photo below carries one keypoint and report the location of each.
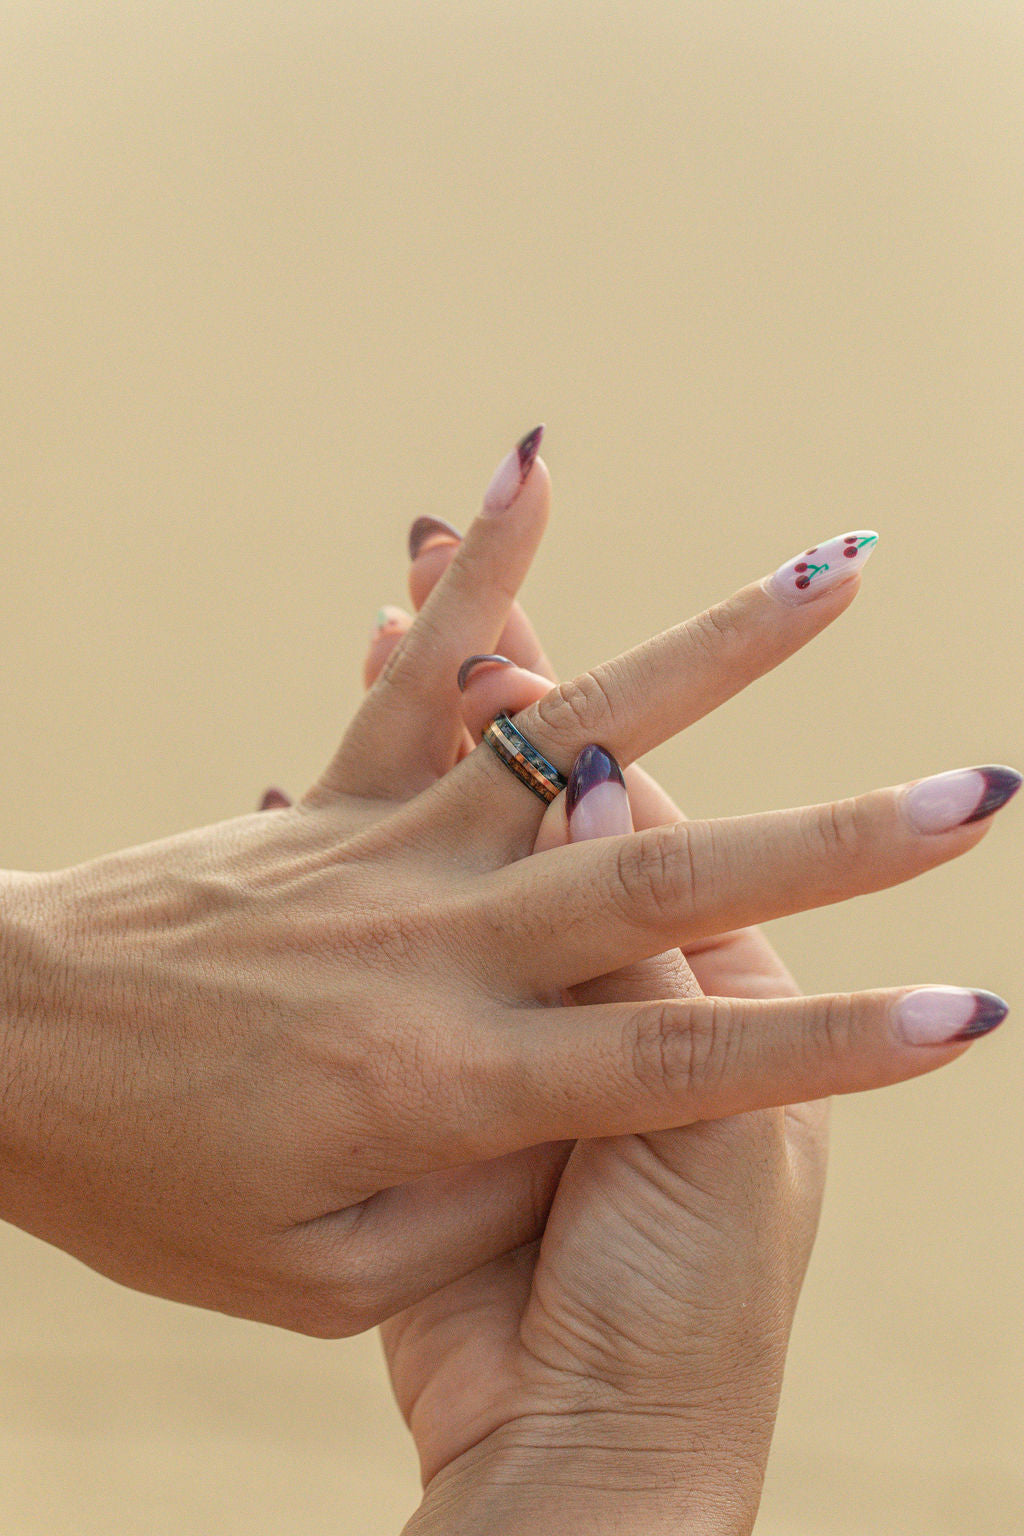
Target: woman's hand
(624, 1371)
(235, 1057)
(741, 963)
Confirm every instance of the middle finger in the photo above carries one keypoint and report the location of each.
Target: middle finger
(578, 912)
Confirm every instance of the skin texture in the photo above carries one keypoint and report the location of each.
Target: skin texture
(241, 1064)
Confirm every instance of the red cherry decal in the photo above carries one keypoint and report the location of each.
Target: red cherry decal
(851, 538)
(804, 581)
(851, 554)
(801, 567)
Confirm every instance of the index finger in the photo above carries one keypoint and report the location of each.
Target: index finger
(650, 693)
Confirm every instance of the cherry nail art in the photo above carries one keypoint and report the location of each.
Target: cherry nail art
(425, 530)
(387, 618)
(471, 663)
(596, 800)
(821, 568)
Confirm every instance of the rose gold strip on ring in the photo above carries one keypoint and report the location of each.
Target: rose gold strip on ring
(507, 743)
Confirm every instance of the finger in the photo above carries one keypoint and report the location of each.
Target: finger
(518, 640)
(389, 630)
(409, 730)
(453, 1222)
(740, 963)
(609, 1070)
(491, 684)
(718, 1153)
(578, 912)
(642, 698)
(734, 964)
(596, 804)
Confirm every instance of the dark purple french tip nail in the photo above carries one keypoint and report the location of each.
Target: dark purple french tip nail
(274, 800)
(425, 528)
(592, 767)
(990, 1010)
(471, 663)
(528, 450)
(1001, 784)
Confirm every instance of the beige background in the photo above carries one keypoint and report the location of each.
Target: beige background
(278, 277)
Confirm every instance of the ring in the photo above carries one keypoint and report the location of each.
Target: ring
(522, 757)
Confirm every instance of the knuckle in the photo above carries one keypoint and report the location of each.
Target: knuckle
(833, 1038)
(468, 1088)
(681, 1053)
(655, 871)
(430, 1075)
(718, 629)
(838, 828)
(582, 705)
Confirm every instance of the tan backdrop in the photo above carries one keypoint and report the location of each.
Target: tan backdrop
(277, 278)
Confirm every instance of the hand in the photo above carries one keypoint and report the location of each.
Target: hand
(504, 1439)
(236, 1057)
(624, 1371)
(738, 964)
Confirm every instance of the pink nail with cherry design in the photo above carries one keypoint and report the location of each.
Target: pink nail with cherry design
(822, 568)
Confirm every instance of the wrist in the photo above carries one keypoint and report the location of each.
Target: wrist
(599, 1475)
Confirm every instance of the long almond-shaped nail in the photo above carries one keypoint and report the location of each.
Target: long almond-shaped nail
(822, 568)
(431, 530)
(949, 800)
(471, 663)
(596, 801)
(940, 1015)
(512, 473)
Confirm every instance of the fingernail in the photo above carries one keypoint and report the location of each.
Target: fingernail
(939, 1015)
(471, 663)
(388, 618)
(511, 474)
(822, 568)
(596, 802)
(274, 800)
(949, 800)
(431, 530)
